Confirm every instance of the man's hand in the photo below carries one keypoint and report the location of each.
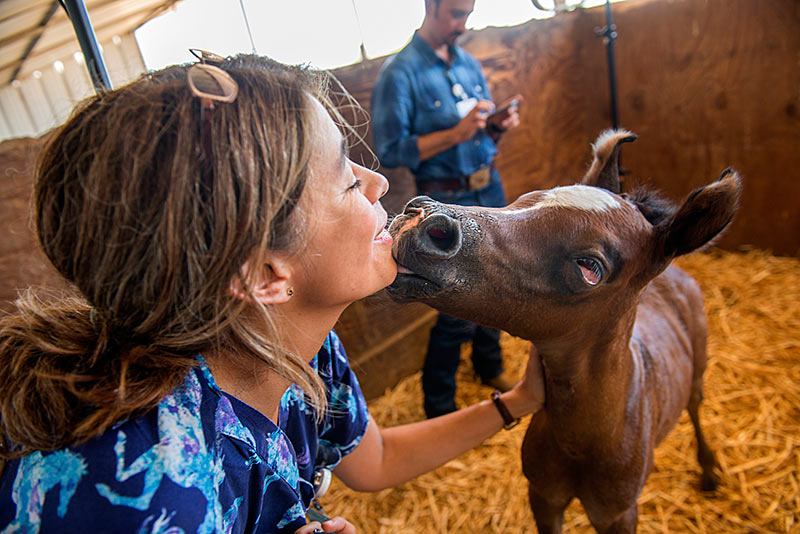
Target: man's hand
(334, 524)
(507, 119)
(474, 120)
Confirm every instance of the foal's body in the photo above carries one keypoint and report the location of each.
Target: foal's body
(595, 441)
(584, 273)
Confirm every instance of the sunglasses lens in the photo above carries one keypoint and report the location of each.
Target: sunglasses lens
(211, 82)
(458, 91)
(208, 84)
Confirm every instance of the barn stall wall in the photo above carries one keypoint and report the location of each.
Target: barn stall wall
(705, 83)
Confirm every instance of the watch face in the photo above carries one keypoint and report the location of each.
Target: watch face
(322, 481)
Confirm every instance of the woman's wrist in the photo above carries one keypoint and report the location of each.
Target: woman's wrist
(519, 405)
(509, 421)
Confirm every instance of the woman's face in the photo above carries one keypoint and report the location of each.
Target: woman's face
(348, 253)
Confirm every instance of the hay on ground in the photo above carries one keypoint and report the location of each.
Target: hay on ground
(751, 418)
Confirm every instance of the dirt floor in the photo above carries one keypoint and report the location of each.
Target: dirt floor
(751, 417)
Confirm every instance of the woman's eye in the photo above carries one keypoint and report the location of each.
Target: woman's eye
(355, 185)
(591, 271)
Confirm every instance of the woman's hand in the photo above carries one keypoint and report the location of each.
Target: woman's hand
(529, 394)
(386, 458)
(334, 524)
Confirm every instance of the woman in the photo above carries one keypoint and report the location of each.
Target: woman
(214, 230)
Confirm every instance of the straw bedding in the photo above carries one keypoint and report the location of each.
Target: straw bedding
(751, 418)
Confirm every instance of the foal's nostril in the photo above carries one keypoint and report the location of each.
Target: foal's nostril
(440, 236)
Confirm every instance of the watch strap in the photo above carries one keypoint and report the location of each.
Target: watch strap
(508, 421)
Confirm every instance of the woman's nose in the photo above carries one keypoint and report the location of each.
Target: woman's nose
(376, 184)
(383, 184)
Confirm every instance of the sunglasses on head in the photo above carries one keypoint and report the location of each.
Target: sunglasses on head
(204, 56)
(210, 84)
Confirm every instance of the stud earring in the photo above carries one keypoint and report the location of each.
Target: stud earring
(290, 291)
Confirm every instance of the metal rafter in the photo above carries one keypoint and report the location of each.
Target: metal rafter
(36, 32)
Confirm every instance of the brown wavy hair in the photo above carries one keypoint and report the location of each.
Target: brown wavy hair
(150, 235)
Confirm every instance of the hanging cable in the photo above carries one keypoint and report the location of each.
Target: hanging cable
(247, 23)
(360, 33)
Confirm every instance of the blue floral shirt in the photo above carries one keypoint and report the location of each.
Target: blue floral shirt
(202, 461)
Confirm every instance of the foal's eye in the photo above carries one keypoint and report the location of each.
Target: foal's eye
(591, 270)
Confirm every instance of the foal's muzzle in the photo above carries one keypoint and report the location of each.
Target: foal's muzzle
(438, 235)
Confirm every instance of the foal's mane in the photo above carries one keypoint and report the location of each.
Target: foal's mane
(651, 203)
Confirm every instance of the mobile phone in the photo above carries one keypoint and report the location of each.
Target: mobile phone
(514, 103)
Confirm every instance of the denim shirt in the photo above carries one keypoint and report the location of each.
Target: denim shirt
(202, 462)
(413, 96)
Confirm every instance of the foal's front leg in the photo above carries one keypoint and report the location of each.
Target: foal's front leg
(549, 516)
(623, 524)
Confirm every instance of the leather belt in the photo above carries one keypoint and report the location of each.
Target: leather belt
(466, 182)
(456, 184)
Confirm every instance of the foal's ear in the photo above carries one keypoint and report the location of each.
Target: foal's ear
(604, 171)
(701, 217)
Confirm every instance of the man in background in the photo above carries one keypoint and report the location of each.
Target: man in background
(432, 112)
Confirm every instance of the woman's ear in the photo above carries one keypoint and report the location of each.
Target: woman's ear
(269, 282)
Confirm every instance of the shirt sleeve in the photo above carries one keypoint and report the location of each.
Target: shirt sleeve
(348, 415)
(88, 489)
(392, 110)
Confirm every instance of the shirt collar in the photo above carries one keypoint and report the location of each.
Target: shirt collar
(273, 446)
(205, 372)
(425, 50)
(226, 421)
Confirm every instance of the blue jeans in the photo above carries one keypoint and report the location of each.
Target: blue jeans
(444, 355)
(447, 335)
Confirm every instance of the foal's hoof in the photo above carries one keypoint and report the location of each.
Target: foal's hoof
(709, 481)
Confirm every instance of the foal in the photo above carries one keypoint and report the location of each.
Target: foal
(584, 273)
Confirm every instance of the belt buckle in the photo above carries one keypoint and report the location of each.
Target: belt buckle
(479, 179)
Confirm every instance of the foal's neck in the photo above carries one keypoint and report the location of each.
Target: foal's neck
(588, 378)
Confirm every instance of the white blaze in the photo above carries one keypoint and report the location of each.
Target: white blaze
(575, 196)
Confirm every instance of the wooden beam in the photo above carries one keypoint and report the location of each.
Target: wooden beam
(35, 37)
(57, 39)
(14, 8)
(126, 20)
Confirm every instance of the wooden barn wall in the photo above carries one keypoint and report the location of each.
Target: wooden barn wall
(706, 84)
(22, 263)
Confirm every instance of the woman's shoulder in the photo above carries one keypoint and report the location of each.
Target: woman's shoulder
(127, 475)
(172, 466)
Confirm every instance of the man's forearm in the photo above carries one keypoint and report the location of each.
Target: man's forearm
(435, 143)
